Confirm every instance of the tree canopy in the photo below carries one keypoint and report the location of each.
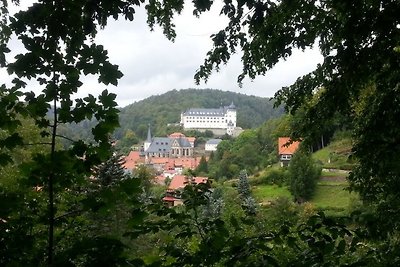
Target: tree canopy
(359, 78)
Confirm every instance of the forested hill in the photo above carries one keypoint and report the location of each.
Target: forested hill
(162, 109)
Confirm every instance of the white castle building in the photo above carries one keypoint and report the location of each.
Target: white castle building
(207, 118)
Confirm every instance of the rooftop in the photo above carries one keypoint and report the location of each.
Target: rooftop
(284, 148)
(180, 181)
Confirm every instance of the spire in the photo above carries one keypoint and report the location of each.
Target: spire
(232, 106)
(148, 135)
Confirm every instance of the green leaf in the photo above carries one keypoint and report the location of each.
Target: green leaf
(137, 217)
(12, 141)
(5, 159)
(131, 186)
(234, 222)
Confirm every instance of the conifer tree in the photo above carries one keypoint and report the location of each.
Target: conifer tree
(203, 166)
(110, 171)
(248, 202)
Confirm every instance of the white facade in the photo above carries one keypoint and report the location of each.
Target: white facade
(212, 144)
(222, 118)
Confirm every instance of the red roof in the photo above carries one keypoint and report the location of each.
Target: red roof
(170, 165)
(176, 135)
(158, 160)
(199, 180)
(132, 160)
(189, 163)
(168, 198)
(287, 150)
(191, 139)
(180, 181)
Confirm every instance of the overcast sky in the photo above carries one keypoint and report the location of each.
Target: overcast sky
(153, 65)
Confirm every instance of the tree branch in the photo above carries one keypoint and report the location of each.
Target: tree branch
(64, 137)
(68, 213)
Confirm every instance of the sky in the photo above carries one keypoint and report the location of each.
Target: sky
(153, 65)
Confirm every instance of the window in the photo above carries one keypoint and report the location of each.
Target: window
(286, 157)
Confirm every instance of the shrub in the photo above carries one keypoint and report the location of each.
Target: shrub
(278, 177)
(303, 175)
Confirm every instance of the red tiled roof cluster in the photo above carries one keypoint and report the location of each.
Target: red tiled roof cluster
(188, 163)
(132, 160)
(171, 163)
(159, 160)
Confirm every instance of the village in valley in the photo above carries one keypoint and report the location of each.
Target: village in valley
(170, 156)
(173, 157)
(199, 133)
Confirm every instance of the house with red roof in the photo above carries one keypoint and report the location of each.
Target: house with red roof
(178, 183)
(132, 160)
(286, 149)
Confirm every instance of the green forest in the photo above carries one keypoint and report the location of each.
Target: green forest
(165, 109)
(336, 204)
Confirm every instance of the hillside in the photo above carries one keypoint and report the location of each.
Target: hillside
(337, 155)
(163, 109)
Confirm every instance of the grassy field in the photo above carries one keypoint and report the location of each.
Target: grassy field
(335, 155)
(263, 193)
(330, 195)
(333, 198)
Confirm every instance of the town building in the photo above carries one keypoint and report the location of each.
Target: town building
(286, 149)
(207, 118)
(176, 145)
(212, 144)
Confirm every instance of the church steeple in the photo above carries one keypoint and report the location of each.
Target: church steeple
(148, 134)
(147, 143)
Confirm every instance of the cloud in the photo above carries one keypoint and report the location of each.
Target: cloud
(153, 65)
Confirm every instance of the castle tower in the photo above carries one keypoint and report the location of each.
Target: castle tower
(231, 116)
